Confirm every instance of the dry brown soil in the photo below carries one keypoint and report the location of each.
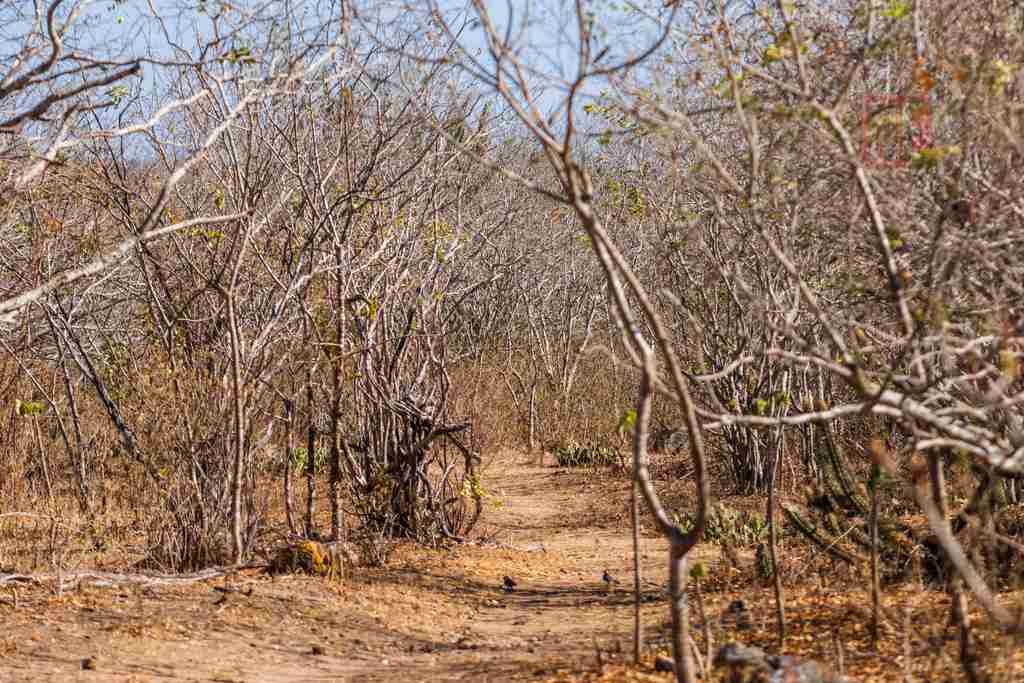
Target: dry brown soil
(441, 615)
(428, 615)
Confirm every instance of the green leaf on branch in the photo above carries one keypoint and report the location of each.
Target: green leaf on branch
(627, 421)
(26, 408)
(898, 9)
(929, 157)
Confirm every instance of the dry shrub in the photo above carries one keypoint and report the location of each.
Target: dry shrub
(479, 394)
(589, 413)
(191, 530)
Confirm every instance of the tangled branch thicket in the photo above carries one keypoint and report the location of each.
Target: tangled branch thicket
(791, 231)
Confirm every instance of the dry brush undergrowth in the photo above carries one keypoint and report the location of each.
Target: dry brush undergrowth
(302, 279)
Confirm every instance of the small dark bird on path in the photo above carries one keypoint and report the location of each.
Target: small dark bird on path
(510, 585)
(608, 579)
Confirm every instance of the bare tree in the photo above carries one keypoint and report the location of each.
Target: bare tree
(59, 110)
(860, 278)
(903, 326)
(658, 362)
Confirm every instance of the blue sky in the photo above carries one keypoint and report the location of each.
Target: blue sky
(545, 30)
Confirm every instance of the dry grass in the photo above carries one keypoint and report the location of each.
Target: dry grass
(440, 614)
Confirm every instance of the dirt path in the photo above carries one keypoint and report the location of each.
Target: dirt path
(430, 615)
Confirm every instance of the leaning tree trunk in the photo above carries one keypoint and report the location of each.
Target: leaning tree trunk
(634, 505)
(773, 542)
(310, 458)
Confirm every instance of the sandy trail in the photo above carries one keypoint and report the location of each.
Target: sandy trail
(431, 615)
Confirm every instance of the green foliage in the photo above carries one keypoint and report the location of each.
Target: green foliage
(760, 406)
(637, 204)
(117, 93)
(575, 455)
(1000, 75)
(898, 9)
(26, 408)
(929, 157)
(209, 235)
(240, 55)
(728, 527)
(626, 422)
(300, 458)
(782, 50)
(369, 309)
(472, 487)
(23, 229)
